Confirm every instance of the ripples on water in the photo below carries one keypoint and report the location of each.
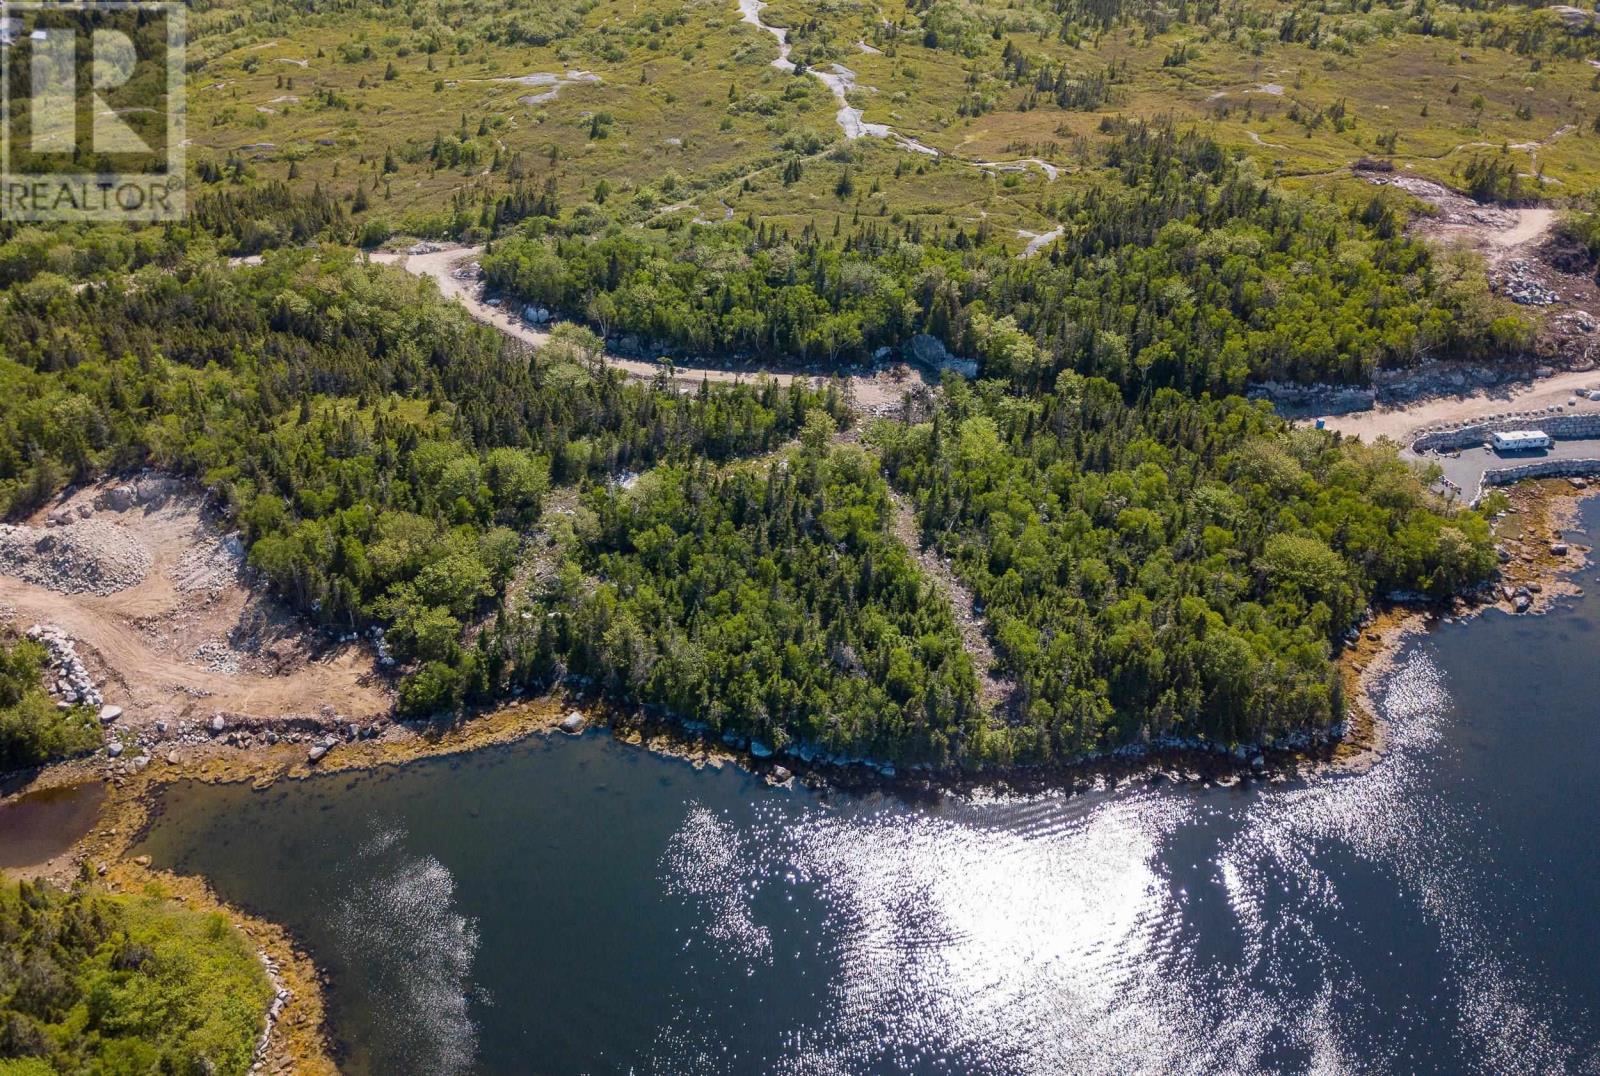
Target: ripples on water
(1152, 930)
(630, 915)
(397, 918)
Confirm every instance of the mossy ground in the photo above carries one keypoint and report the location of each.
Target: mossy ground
(689, 119)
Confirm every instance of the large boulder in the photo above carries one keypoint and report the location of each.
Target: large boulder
(930, 352)
(573, 723)
(117, 498)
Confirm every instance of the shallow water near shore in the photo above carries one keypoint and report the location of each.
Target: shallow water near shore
(564, 905)
(42, 825)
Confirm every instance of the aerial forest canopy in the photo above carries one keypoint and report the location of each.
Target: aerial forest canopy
(1150, 562)
(1122, 216)
(96, 982)
(1185, 269)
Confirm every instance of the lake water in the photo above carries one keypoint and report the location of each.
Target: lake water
(569, 906)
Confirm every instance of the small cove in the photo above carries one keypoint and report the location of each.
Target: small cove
(41, 825)
(579, 905)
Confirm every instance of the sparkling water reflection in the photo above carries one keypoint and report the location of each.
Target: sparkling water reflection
(582, 906)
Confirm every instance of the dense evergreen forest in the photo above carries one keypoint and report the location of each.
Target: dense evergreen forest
(1172, 566)
(769, 601)
(92, 982)
(1148, 561)
(382, 454)
(1169, 566)
(1150, 554)
(1185, 269)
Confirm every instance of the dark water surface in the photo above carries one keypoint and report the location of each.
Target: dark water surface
(580, 906)
(41, 825)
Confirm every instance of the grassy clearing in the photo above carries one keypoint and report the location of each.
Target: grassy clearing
(666, 110)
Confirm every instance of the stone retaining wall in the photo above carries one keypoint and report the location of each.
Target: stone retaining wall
(1504, 476)
(1559, 426)
(1295, 399)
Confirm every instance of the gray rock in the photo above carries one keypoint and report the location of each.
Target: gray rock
(760, 750)
(108, 714)
(114, 749)
(929, 351)
(318, 750)
(117, 499)
(573, 723)
(218, 723)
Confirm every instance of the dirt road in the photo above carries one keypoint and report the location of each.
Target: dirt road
(1400, 423)
(878, 391)
(191, 638)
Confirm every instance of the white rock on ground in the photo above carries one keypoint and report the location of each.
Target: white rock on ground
(85, 556)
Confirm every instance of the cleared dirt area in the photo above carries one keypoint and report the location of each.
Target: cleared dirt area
(452, 269)
(1521, 252)
(172, 629)
(1400, 423)
(994, 692)
(1493, 229)
(1527, 261)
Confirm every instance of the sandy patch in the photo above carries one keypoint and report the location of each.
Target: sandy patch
(176, 630)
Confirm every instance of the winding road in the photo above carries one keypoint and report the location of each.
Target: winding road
(875, 392)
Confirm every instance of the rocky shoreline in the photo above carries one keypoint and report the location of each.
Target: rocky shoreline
(1534, 574)
(1537, 565)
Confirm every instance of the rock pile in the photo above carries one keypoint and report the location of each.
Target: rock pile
(210, 567)
(318, 734)
(85, 556)
(72, 683)
(1517, 282)
(280, 998)
(218, 657)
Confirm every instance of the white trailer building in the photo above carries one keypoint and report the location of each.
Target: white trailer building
(1519, 440)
